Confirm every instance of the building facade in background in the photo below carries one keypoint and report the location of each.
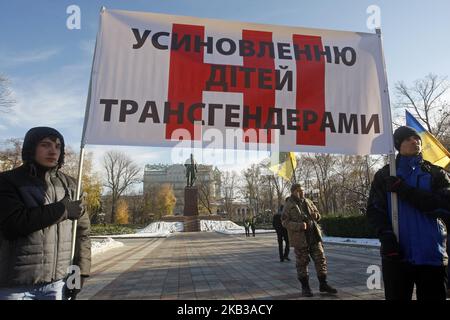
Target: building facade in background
(175, 175)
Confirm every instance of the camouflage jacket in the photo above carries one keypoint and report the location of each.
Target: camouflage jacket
(295, 213)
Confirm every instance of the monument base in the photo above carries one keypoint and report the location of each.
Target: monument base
(191, 221)
(190, 201)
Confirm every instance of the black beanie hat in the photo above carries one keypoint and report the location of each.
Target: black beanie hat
(32, 138)
(403, 133)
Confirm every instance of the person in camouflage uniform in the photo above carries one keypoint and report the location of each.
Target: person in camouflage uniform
(300, 217)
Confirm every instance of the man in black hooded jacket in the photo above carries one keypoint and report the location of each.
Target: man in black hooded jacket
(36, 215)
(282, 234)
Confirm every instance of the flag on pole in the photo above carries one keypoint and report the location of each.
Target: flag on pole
(432, 150)
(286, 165)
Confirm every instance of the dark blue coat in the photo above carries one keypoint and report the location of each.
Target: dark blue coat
(421, 233)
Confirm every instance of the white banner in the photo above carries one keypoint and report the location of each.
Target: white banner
(158, 79)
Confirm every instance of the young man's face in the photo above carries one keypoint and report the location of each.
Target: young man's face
(48, 152)
(411, 146)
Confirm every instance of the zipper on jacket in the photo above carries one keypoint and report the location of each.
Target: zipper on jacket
(55, 250)
(55, 264)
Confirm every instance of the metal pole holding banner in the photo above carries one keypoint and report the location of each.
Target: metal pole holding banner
(77, 197)
(392, 165)
(82, 146)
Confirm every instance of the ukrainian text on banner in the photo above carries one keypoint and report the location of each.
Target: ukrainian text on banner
(158, 79)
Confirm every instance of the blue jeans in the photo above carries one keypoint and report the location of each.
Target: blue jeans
(49, 291)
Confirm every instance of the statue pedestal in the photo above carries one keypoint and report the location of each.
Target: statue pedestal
(191, 221)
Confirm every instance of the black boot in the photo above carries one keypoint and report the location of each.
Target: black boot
(324, 286)
(306, 290)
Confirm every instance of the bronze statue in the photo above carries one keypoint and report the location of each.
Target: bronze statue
(191, 170)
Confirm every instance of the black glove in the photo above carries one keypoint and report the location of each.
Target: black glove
(396, 184)
(390, 248)
(73, 208)
(71, 294)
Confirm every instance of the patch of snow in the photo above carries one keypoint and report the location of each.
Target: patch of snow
(215, 225)
(162, 227)
(104, 245)
(226, 227)
(135, 235)
(361, 241)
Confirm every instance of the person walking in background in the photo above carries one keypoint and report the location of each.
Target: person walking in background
(282, 234)
(247, 227)
(253, 225)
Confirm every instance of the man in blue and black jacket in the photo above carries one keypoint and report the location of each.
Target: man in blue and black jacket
(419, 255)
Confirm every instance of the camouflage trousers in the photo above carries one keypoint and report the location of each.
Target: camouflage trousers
(317, 254)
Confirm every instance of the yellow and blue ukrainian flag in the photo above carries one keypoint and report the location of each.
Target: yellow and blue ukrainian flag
(432, 150)
(286, 165)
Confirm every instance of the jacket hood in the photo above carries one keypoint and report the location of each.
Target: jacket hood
(32, 138)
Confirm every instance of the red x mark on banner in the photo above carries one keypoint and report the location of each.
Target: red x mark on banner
(189, 74)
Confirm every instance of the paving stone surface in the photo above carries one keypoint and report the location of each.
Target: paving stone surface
(210, 265)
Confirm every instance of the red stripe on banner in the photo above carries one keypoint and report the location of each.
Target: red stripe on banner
(310, 91)
(254, 96)
(187, 77)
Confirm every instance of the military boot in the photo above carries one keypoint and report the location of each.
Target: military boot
(324, 286)
(306, 290)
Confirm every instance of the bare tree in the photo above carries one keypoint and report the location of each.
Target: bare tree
(251, 188)
(71, 162)
(276, 184)
(305, 174)
(121, 173)
(323, 165)
(338, 184)
(268, 196)
(11, 156)
(425, 99)
(206, 195)
(229, 184)
(6, 100)
(354, 175)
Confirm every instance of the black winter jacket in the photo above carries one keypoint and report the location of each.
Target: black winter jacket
(35, 240)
